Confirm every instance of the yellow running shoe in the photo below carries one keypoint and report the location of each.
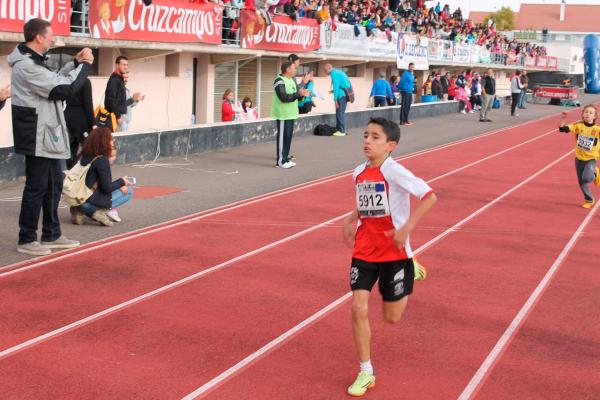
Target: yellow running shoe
(587, 204)
(597, 177)
(420, 271)
(363, 381)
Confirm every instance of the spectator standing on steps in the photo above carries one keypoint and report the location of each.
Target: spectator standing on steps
(132, 101)
(488, 94)
(515, 91)
(37, 91)
(339, 83)
(381, 92)
(115, 95)
(436, 86)
(407, 87)
(525, 84)
(284, 110)
(79, 114)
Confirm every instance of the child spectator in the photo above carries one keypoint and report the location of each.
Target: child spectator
(246, 112)
(227, 107)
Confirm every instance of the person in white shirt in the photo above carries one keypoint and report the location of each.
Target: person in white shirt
(245, 111)
(515, 91)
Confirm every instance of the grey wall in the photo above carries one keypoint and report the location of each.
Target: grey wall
(142, 147)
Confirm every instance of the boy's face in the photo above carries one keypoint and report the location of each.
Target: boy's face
(375, 143)
(589, 115)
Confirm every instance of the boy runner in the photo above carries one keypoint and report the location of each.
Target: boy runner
(381, 246)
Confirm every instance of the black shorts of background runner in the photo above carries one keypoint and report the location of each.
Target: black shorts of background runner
(396, 278)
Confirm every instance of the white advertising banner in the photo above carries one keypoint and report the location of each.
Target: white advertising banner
(381, 44)
(440, 50)
(485, 56)
(343, 40)
(462, 53)
(411, 49)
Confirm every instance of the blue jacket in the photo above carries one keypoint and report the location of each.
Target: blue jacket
(382, 88)
(339, 81)
(310, 86)
(407, 82)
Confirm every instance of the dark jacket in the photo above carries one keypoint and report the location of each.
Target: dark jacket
(489, 85)
(99, 174)
(436, 89)
(115, 96)
(445, 84)
(39, 127)
(2, 104)
(79, 112)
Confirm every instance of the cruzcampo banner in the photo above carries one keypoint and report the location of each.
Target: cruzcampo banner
(162, 21)
(14, 14)
(283, 34)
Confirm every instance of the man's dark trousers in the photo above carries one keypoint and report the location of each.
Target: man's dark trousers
(43, 187)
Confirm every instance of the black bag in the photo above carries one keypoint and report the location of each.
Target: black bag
(324, 130)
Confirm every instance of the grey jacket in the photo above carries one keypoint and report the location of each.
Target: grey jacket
(39, 127)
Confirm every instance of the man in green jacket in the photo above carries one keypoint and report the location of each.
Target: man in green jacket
(284, 110)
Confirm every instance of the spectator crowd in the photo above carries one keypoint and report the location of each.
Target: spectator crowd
(401, 16)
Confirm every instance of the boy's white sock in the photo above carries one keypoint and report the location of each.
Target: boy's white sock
(367, 367)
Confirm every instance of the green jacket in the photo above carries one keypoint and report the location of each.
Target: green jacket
(285, 99)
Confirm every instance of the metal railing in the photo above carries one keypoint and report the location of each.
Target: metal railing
(231, 25)
(79, 17)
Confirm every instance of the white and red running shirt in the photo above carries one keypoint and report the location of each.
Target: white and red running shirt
(383, 204)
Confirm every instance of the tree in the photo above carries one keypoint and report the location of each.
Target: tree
(504, 19)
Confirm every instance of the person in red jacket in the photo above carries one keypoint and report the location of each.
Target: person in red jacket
(227, 112)
(451, 88)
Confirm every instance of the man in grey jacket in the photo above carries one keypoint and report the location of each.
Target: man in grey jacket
(40, 132)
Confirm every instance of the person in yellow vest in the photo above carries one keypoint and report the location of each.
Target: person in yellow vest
(587, 149)
(284, 110)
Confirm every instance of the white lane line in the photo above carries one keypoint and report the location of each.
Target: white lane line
(118, 307)
(494, 355)
(252, 357)
(14, 268)
(242, 203)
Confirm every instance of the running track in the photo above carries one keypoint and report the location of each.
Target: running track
(250, 301)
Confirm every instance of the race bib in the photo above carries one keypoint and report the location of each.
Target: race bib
(585, 142)
(372, 199)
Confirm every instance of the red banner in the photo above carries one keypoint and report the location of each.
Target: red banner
(530, 61)
(14, 14)
(557, 92)
(552, 63)
(542, 62)
(163, 21)
(284, 34)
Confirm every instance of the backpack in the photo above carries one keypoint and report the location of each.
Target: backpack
(75, 192)
(496, 103)
(324, 130)
(349, 94)
(105, 118)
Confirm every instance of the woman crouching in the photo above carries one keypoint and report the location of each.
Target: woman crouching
(98, 149)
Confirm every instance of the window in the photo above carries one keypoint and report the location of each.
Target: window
(58, 57)
(225, 78)
(250, 78)
(79, 17)
(351, 70)
(303, 68)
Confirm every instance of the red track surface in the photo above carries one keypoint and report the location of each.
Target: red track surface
(167, 345)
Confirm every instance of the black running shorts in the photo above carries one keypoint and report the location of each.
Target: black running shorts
(396, 278)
